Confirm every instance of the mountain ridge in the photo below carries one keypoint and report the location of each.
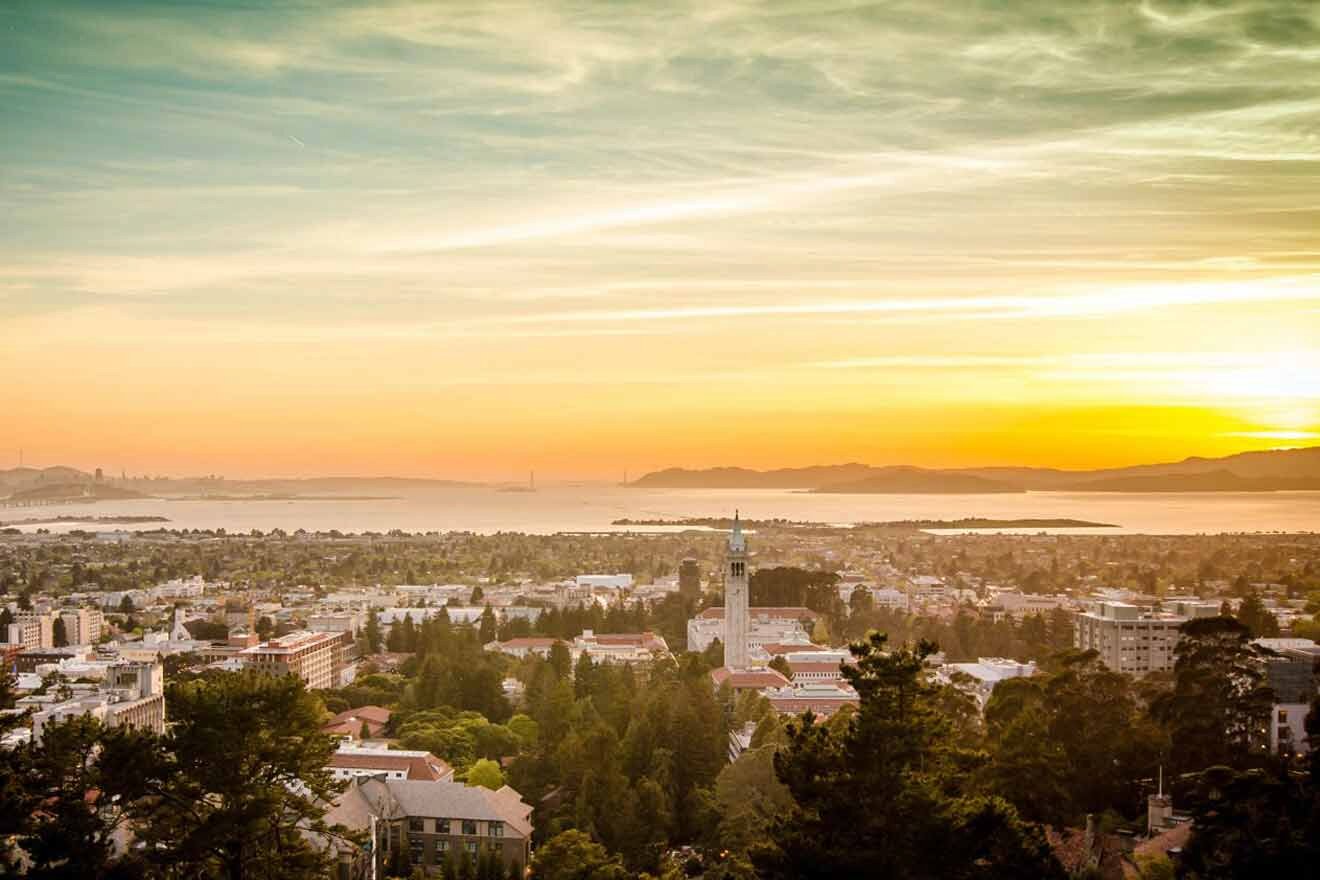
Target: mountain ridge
(1256, 471)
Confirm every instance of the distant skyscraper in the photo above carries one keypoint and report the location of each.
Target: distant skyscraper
(689, 577)
(735, 599)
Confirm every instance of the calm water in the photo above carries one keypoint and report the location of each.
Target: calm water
(593, 508)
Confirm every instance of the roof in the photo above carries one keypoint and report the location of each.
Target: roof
(749, 679)
(374, 714)
(426, 768)
(528, 642)
(737, 543)
(454, 800)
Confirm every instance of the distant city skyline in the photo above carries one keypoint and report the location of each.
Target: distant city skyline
(473, 240)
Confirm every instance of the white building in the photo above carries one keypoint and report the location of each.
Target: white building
(605, 581)
(132, 695)
(768, 627)
(980, 678)
(1132, 639)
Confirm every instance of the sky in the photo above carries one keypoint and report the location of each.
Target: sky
(472, 240)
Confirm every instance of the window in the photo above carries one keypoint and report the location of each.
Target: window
(472, 848)
(1283, 717)
(441, 846)
(495, 829)
(416, 824)
(470, 826)
(441, 826)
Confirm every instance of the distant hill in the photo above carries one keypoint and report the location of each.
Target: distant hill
(1209, 481)
(74, 492)
(918, 481)
(743, 478)
(53, 483)
(1273, 470)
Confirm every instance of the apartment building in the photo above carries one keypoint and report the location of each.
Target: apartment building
(1133, 639)
(82, 626)
(315, 657)
(31, 631)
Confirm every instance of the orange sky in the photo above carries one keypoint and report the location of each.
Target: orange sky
(434, 240)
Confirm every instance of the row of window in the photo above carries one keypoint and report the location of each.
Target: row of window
(444, 826)
(417, 849)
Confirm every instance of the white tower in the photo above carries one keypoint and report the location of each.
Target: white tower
(735, 599)
(178, 632)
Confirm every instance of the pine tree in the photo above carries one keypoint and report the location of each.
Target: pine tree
(887, 798)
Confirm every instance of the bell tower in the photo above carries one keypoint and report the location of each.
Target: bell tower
(735, 598)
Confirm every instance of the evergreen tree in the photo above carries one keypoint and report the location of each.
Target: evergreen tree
(1218, 711)
(488, 625)
(561, 661)
(1253, 614)
(240, 779)
(59, 634)
(371, 632)
(74, 786)
(584, 674)
(886, 797)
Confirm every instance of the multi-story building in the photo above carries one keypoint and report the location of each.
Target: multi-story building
(82, 626)
(31, 630)
(1291, 674)
(1132, 639)
(133, 695)
(437, 821)
(316, 658)
(620, 647)
(342, 622)
(823, 699)
(767, 626)
(689, 577)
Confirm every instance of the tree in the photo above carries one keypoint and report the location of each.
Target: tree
(265, 627)
(560, 660)
(1255, 617)
(748, 797)
(1218, 710)
(886, 797)
(59, 634)
(487, 774)
(371, 632)
(13, 797)
(573, 855)
(76, 782)
(126, 604)
(1255, 823)
(477, 595)
(1072, 742)
(583, 676)
(780, 664)
(488, 625)
(240, 778)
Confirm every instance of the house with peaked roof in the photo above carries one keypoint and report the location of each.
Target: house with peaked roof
(436, 821)
(351, 761)
(349, 722)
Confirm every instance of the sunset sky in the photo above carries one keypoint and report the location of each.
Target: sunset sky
(453, 240)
